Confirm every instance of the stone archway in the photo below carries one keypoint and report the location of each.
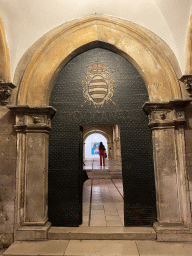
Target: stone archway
(35, 75)
(4, 55)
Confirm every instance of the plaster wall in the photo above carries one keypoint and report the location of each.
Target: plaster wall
(26, 21)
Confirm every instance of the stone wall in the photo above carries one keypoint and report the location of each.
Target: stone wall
(188, 146)
(7, 175)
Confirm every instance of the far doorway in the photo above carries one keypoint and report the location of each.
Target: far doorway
(103, 203)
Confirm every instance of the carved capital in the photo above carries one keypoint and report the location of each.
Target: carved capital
(5, 92)
(166, 114)
(33, 119)
(187, 80)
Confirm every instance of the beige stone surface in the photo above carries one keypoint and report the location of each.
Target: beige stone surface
(161, 249)
(114, 223)
(102, 248)
(5, 74)
(54, 247)
(102, 232)
(98, 247)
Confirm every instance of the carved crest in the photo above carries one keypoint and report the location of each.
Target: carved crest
(98, 87)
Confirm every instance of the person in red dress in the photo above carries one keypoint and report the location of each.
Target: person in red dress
(102, 154)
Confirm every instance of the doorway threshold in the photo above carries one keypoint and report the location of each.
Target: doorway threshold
(102, 233)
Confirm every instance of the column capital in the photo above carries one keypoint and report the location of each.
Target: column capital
(33, 119)
(166, 114)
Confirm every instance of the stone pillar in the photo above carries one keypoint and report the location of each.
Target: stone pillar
(167, 122)
(110, 145)
(32, 126)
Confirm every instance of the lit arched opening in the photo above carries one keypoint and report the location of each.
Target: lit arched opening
(91, 145)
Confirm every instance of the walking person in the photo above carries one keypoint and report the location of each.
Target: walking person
(102, 154)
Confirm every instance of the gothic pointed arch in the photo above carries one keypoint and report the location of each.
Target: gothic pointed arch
(151, 56)
(4, 55)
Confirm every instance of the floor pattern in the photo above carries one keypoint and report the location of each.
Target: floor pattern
(103, 202)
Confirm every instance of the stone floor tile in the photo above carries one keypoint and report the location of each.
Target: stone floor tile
(147, 248)
(98, 223)
(50, 247)
(85, 213)
(99, 247)
(97, 212)
(120, 211)
(116, 217)
(114, 223)
(119, 206)
(97, 217)
(112, 213)
(97, 207)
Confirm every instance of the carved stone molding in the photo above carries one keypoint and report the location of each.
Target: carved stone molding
(33, 119)
(5, 92)
(166, 114)
(187, 80)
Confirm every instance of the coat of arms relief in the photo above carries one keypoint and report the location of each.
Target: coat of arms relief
(98, 88)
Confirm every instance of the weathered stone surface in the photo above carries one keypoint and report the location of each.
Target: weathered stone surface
(37, 248)
(7, 175)
(6, 239)
(99, 233)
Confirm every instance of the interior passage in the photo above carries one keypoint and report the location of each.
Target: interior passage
(103, 203)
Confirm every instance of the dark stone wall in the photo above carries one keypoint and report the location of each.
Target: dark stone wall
(127, 93)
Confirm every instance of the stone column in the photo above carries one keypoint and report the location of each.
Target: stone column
(167, 122)
(32, 126)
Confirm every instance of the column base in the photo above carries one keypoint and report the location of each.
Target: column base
(173, 233)
(32, 233)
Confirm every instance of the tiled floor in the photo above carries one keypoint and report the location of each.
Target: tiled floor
(103, 202)
(94, 164)
(99, 247)
(102, 207)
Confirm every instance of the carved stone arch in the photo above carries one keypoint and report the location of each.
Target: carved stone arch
(41, 64)
(5, 74)
(157, 65)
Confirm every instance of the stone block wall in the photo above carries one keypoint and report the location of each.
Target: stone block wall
(188, 145)
(7, 175)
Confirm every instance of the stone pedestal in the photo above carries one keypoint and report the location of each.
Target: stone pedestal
(32, 127)
(173, 203)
